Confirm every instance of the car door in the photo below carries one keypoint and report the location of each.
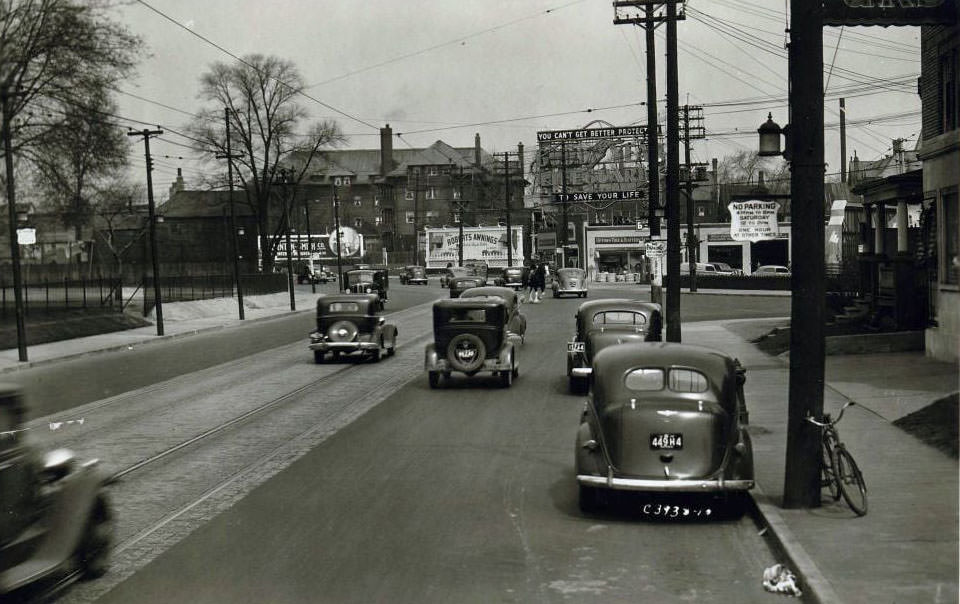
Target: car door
(17, 478)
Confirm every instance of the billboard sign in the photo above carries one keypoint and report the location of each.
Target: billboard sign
(600, 196)
(479, 243)
(548, 136)
(890, 12)
(753, 220)
(318, 248)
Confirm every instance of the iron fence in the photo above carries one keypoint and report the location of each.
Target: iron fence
(205, 287)
(56, 295)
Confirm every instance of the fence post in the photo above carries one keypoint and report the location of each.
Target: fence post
(46, 292)
(66, 293)
(83, 287)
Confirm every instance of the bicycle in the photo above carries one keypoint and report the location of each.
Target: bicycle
(839, 473)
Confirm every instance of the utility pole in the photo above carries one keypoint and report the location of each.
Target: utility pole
(233, 216)
(698, 132)
(5, 95)
(460, 206)
(416, 216)
(313, 281)
(843, 139)
(282, 181)
(151, 216)
(336, 228)
(506, 190)
(673, 178)
(563, 189)
(807, 308)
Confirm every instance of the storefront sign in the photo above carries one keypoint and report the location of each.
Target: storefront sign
(655, 249)
(479, 243)
(589, 133)
(600, 196)
(318, 247)
(725, 237)
(753, 220)
(618, 241)
(889, 12)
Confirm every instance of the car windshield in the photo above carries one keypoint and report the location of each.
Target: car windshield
(361, 276)
(619, 317)
(344, 307)
(417, 271)
(722, 266)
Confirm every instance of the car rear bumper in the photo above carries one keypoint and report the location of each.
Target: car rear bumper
(665, 486)
(416, 281)
(343, 346)
(442, 365)
(579, 290)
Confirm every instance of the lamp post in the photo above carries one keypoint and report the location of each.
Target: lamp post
(313, 282)
(233, 217)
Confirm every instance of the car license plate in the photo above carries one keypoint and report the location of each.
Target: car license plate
(666, 441)
(666, 510)
(574, 346)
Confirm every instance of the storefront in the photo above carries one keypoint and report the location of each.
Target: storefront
(615, 250)
(717, 245)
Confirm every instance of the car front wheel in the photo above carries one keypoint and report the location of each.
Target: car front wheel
(433, 378)
(318, 357)
(93, 555)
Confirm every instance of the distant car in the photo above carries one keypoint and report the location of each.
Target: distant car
(318, 276)
(452, 272)
(349, 323)
(471, 336)
(605, 322)
(56, 516)
(571, 281)
(702, 268)
(665, 418)
(413, 275)
(773, 270)
(458, 285)
(516, 322)
(515, 277)
(725, 269)
(368, 281)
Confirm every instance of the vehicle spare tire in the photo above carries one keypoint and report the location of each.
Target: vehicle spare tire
(342, 331)
(466, 352)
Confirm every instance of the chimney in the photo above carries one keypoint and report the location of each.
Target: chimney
(177, 185)
(386, 150)
(476, 149)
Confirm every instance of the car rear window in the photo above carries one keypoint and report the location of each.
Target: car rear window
(472, 315)
(344, 307)
(619, 317)
(649, 379)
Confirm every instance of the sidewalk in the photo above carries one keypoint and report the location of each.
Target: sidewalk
(904, 550)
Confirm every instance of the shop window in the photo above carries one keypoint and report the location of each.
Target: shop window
(950, 235)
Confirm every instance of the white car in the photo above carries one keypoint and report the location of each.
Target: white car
(772, 270)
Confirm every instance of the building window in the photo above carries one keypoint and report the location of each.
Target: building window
(456, 193)
(358, 202)
(415, 170)
(432, 171)
(409, 216)
(358, 222)
(378, 220)
(948, 91)
(431, 193)
(700, 211)
(408, 194)
(950, 234)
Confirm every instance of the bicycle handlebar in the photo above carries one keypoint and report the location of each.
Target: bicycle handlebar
(831, 422)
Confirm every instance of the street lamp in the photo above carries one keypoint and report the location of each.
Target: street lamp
(770, 132)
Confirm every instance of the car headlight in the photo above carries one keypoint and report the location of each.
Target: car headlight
(368, 290)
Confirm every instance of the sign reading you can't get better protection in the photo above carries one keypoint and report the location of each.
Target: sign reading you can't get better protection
(753, 220)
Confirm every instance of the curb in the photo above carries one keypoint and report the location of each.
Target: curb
(814, 584)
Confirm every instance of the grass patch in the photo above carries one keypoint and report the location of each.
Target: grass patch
(67, 326)
(936, 424)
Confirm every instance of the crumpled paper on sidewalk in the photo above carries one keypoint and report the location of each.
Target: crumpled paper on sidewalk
(778, 579)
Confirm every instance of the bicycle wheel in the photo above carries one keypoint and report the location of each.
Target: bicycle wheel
(852, 487)
(828, 466)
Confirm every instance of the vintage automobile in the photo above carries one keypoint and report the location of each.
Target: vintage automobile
(320, 275)
(413, 275)
(772, 270)
(570, 281)
(452, 272)
(601, 323)
(471, 336)
(515, 277)
(349, 323)
(725, 269)
(516, 322)
(55, 516)
(665, 418)
(458, 285)
(367, 281)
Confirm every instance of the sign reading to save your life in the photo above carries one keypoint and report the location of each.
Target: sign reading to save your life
(753, 220)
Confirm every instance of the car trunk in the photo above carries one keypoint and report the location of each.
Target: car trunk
(701, 426)
(598, 340)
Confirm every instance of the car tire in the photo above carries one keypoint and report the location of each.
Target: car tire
(590, 500)
(318, 357)
(516, 372)
(93, 554)
(506, 378)
(466, 340)
(433, 378)
(375, 354)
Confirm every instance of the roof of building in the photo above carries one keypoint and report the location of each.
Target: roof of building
(198, 204)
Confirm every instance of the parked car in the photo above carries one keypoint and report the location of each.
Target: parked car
(703, 268)
(570, 281)
(516, 322)
(602, 323)
(772, 270)
(413, 275)
(349, 323)
(725, 269)
(471, 336)
(319, 275)
(55, 516)
(458, 285)
(368, 281)
(664, 418)
(515, 277)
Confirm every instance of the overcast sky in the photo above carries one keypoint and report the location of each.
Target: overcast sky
(446, 69)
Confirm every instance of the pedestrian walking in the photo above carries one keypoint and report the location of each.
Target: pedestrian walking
(538, 282)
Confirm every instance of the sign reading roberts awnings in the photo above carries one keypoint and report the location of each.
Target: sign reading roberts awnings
(889, 12)
(753, 220)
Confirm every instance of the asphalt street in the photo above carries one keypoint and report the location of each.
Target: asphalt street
(460, 494)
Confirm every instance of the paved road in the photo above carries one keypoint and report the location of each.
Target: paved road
(462, 494)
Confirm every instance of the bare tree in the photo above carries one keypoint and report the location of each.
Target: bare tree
(745, 166)
(120, 219)
(260, 96)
